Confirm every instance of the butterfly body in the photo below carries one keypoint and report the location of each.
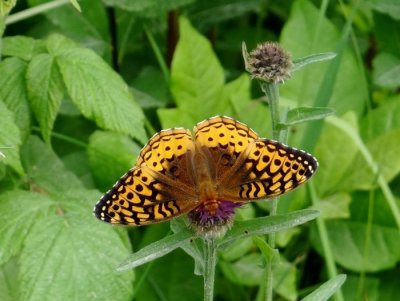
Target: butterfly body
(223, 165)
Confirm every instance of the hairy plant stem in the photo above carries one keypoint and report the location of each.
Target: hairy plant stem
(272, 92)
(210, 257)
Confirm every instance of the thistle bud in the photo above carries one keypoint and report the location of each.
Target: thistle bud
(268, 62)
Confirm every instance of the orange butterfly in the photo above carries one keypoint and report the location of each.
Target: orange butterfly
(222, 165)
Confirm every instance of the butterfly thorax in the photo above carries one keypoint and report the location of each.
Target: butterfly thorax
(206, 189)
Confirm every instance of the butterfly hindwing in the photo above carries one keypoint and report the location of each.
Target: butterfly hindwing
(269, 169)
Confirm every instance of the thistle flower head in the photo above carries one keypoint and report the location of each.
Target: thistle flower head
(213, 218)
(268, 62)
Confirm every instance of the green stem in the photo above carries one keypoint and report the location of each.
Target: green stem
(209, 268)
(30, 12)
(326, 247)
(158, 54)
(272, 93)
(64, 137)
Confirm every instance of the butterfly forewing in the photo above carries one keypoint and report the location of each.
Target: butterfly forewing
(223, 141)
(269, 169)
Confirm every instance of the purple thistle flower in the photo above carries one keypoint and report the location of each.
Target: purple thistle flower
(213, 217)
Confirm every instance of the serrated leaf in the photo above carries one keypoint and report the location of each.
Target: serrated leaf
(325, 291)
(110, 156)
(13, 92)
(10, 140)
(305, 114)
(86, 253)
(45, 91)
(22, 47)
(8, 287)
(20, 210)
(96, 90)
(53, 230)
(46, 170)
(156, 250)
(197, 77)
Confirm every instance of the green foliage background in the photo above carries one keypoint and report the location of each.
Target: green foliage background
(81, 92)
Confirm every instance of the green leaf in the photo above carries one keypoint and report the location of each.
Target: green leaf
(197, 78)
(334, 206)
(88, 27)
(334, 147)
(192, 247)
(96, 90)
(325, 291)
(357, 288)
(170, 278)
(47, 171)
(389, 289)
(45, 91)
(20, 211)
(149, 8)
(305, 114)
(348, 238)
(238, 93)
(75, 243)
(13, 92)
(249, 271)
(285, 279)
(390, 7)
(268, 224)
(156, 250)
(53, 230)
(110, 156)
(310, 59)
(22, 47)
(387, 70)
(6, 6)
(384, 150)
(385, 29)
(170, 118)
(269, 254)
(10, 140)
(381, 120)
(303, 88)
